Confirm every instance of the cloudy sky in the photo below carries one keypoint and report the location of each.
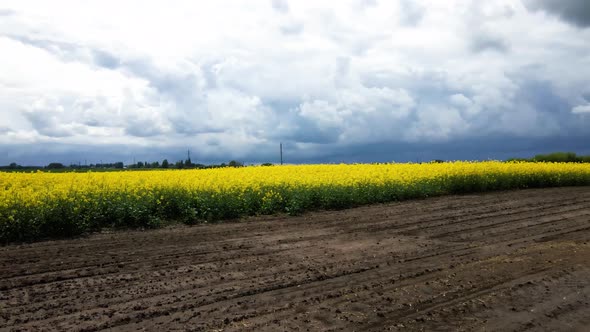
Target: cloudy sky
(335, 81)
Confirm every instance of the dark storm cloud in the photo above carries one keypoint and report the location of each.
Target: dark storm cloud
(41, 154)
(576, 12)
(550, 114)
(309, 132)
(474, 148)
(541, 95)
(302, 130)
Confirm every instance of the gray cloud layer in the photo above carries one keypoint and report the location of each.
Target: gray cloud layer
(576, 12)
(358, 81)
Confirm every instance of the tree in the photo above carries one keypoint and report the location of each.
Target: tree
(562, 157)
(180, 164)
(118, 164)
(165, 163)
(139, 164)
(55, 166)
(234, 163)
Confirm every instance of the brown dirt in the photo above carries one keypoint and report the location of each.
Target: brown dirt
(511, 261)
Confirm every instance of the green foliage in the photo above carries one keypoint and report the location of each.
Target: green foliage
(555, 157)
(234, 163)
(55, 166)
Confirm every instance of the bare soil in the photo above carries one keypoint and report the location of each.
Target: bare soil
(510, 261)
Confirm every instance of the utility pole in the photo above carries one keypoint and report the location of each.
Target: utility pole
(281, 148)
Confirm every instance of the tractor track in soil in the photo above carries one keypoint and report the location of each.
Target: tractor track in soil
(509, 261)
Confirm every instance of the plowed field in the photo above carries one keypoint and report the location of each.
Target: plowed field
(510, 261)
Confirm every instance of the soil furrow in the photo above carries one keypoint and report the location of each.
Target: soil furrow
(515, 260)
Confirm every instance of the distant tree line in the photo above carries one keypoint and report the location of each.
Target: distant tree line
(165, 164)
(181, 164)
(561, 157)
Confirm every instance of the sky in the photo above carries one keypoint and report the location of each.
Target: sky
(334, 81)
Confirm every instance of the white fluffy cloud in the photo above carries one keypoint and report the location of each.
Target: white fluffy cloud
(236, 77)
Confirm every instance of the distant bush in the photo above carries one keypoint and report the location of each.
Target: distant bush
(555, 157)
(234, 163)
(55, 166)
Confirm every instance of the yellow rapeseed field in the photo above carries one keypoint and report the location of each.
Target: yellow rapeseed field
(42, 204)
